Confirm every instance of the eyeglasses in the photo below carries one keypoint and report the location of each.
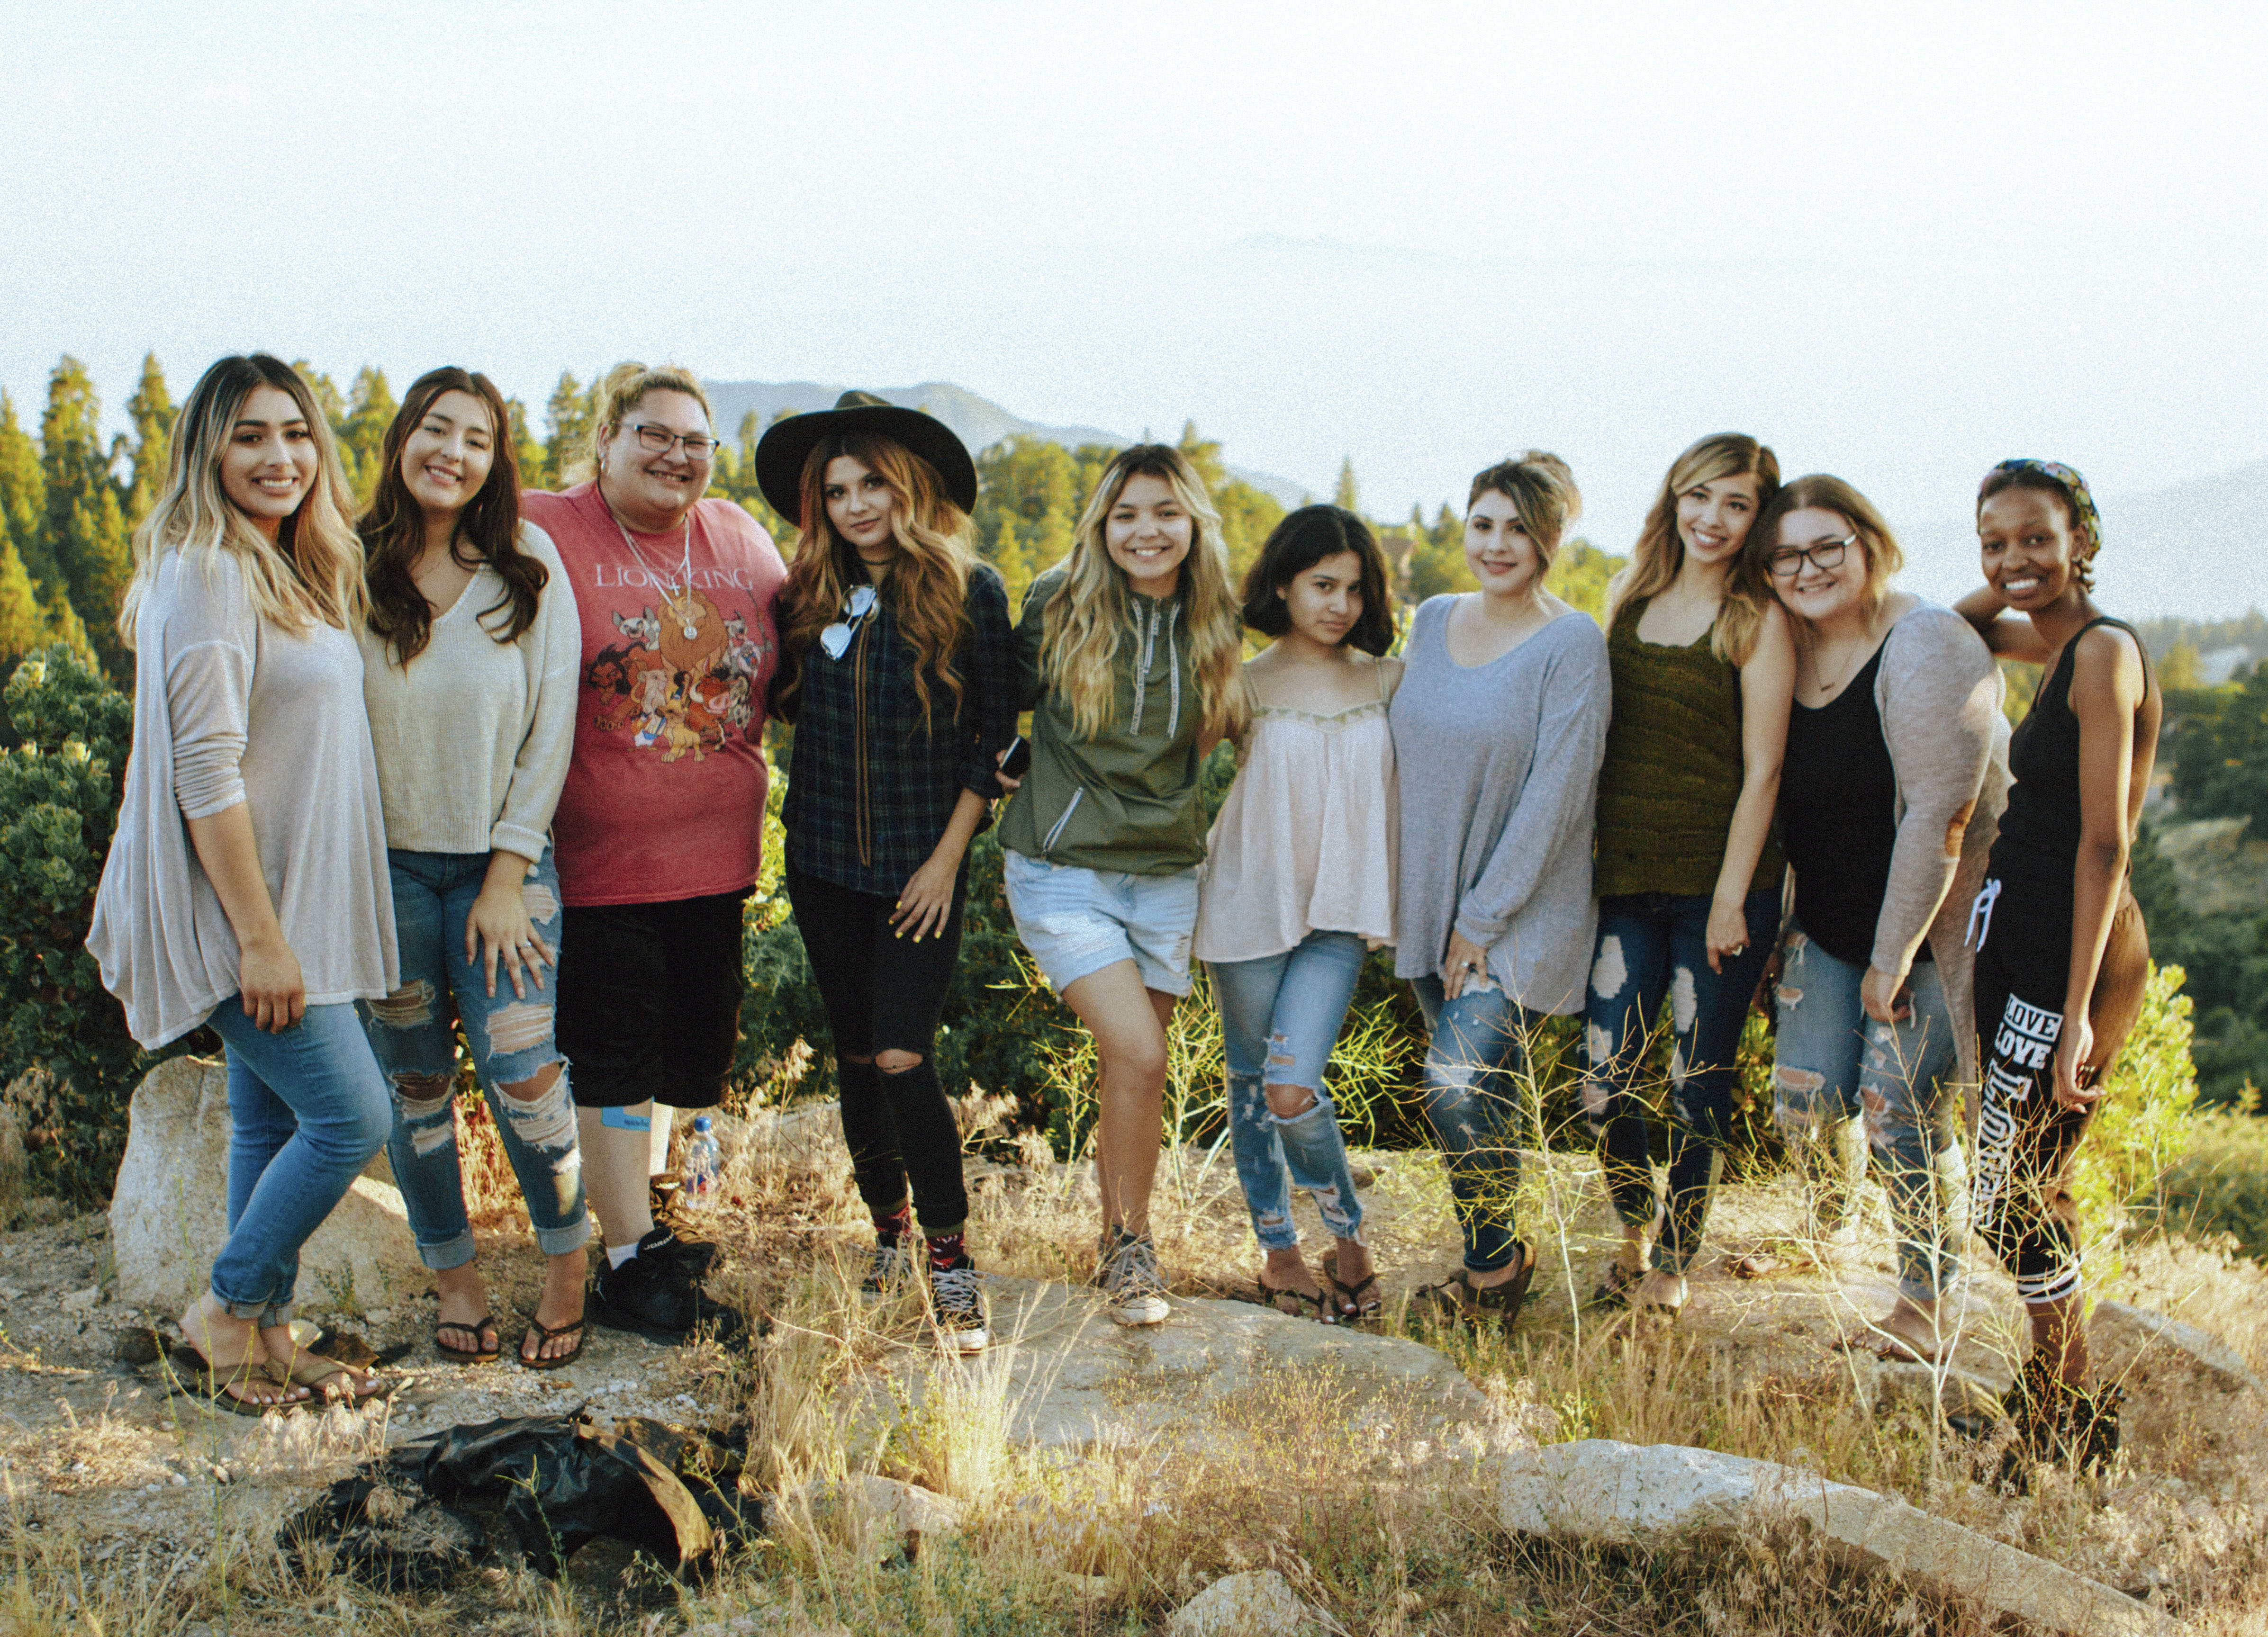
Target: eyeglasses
(661, 440)
(1788, 562)
(836, 639)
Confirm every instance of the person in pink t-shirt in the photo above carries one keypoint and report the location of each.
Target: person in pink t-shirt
(659, 831)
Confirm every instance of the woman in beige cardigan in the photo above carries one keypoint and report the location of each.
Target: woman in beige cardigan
(1896, 773)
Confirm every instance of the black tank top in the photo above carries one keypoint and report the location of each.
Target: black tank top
(1839, 795)
(2039, 841)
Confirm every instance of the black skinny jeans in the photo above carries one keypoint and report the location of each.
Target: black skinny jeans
(884, 994)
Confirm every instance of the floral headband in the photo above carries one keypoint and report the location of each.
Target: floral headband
(2074, 488)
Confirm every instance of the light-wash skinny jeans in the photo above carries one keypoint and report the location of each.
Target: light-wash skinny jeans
(1833, 1066)
(1279, 1018)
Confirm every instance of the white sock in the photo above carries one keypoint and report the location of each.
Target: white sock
(617, 1254)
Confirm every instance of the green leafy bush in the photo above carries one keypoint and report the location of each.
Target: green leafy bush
(2220, 1186)
(59, 795)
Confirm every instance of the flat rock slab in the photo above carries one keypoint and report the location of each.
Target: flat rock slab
(1670, 1495)
(1215, 1373)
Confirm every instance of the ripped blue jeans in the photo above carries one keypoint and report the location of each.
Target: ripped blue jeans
(1279, 1018)
(1832, 1066)
(1476, 1059)
(511, 1039)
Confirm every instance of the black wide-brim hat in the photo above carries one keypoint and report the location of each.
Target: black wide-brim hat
(786, 444)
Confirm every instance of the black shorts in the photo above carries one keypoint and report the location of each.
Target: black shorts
(650, 1001)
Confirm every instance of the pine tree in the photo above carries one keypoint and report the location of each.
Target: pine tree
(151, 410)
(23, 627)
(24, 498)
(568, 415)
(1204, 455)
(362, 436)
(326, 391)
(86, 527)
(1348, 495)
(64, 626)
(529, 455)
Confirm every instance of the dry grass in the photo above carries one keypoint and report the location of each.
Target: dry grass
(1381, 1535)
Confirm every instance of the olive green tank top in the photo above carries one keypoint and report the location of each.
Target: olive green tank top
(1673, 770)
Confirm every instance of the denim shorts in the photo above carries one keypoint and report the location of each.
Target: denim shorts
(1076, 921)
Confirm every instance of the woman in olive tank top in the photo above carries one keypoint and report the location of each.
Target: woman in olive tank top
(2061, 952)
(1688, 874)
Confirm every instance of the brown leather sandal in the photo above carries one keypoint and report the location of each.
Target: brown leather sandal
(1458, 1300)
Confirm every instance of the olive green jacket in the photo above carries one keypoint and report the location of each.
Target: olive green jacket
(1126, 799)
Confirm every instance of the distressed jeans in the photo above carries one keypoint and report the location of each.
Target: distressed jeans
(511, 1040)
(1833, 1067)
(1653, 946)
(1279, 1018)
(306, 1112)
(1476, 1058)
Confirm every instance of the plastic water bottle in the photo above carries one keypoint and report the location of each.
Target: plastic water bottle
(702, 1163)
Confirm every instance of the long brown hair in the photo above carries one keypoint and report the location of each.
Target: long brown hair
(928, 583)
(311, 574)
(487, 529)
(1659, 554)
(1087, 618)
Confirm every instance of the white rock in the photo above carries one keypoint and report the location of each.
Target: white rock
(896, 1507)
(2120, 1329)
(1657, 1495)
(1261, 1604)
(83, 1301)
(169, 1207)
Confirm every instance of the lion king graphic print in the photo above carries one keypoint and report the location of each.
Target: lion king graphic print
(666, 792)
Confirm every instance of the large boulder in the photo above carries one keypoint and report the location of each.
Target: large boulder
(1261, 1604)
(169, 1208)
(1662, 1496)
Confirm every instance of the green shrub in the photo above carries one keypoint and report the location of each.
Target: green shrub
(2221, 1185)
(59, 795)
(2144, 1123)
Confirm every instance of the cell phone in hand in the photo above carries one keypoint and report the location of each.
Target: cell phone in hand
(1018, 759)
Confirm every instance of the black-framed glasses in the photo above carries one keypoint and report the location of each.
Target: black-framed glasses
(661, 440)
(1788, 561)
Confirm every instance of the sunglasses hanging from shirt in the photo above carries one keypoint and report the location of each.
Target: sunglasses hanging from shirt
(836, 639)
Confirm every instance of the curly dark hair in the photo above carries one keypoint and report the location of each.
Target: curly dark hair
(1297, 544)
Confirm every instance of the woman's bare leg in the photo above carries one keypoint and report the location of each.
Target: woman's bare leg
(1128, 1022)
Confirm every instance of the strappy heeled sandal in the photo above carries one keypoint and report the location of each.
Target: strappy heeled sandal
(1457, 1299)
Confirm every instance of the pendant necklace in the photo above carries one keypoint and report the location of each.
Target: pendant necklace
(675, 596)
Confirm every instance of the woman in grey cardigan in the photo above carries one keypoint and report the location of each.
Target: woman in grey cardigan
(1896, 773)
(1502, 703)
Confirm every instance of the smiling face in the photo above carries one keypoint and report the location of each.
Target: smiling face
(1819, 595)
(269, 463)
(1323, 600)
(2028, 549)
(1498, 549)
(651, 491)
(1713, 518)
(1147, 533)
(860, 507)
(448, 455)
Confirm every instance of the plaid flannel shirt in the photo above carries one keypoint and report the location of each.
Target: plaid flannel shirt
(871, 783)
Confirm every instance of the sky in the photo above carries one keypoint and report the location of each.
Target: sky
(1898, 242)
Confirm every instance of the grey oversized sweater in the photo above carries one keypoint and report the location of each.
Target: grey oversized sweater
(1500, 773)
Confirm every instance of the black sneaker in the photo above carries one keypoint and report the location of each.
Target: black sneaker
(957, 1298)
(2057, 1424)
(887, 1268)
(651, 1296)
(689, 1247)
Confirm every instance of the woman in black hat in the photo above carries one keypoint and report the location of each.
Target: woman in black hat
(898, 668)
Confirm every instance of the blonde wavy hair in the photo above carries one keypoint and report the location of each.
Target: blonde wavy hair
(928, 584)
(1542, 489)
(622, 389)
(1087, 618)
(1822, 493)
(1659, 554)
(310, 573)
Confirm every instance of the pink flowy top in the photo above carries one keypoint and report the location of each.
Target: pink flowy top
(1305, 841)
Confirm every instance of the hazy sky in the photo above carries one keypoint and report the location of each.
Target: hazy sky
(1899, 242)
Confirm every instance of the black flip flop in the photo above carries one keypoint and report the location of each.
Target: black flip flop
(209, 1384)
(543, 1333)
(1303, 1306)
(1361, 1300)
(479, 1354)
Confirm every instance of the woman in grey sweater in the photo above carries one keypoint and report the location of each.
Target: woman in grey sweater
(1896, 773)
(1502, 703)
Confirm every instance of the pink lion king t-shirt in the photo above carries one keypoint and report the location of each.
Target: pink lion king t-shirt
(665, 796)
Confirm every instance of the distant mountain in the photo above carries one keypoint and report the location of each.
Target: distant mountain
(979, 423)
(2197, 550)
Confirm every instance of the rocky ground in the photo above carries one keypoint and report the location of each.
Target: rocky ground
(150, 1489)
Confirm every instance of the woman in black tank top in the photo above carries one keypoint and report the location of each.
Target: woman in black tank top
(2062, 954)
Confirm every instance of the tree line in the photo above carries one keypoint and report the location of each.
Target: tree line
(70, 500)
